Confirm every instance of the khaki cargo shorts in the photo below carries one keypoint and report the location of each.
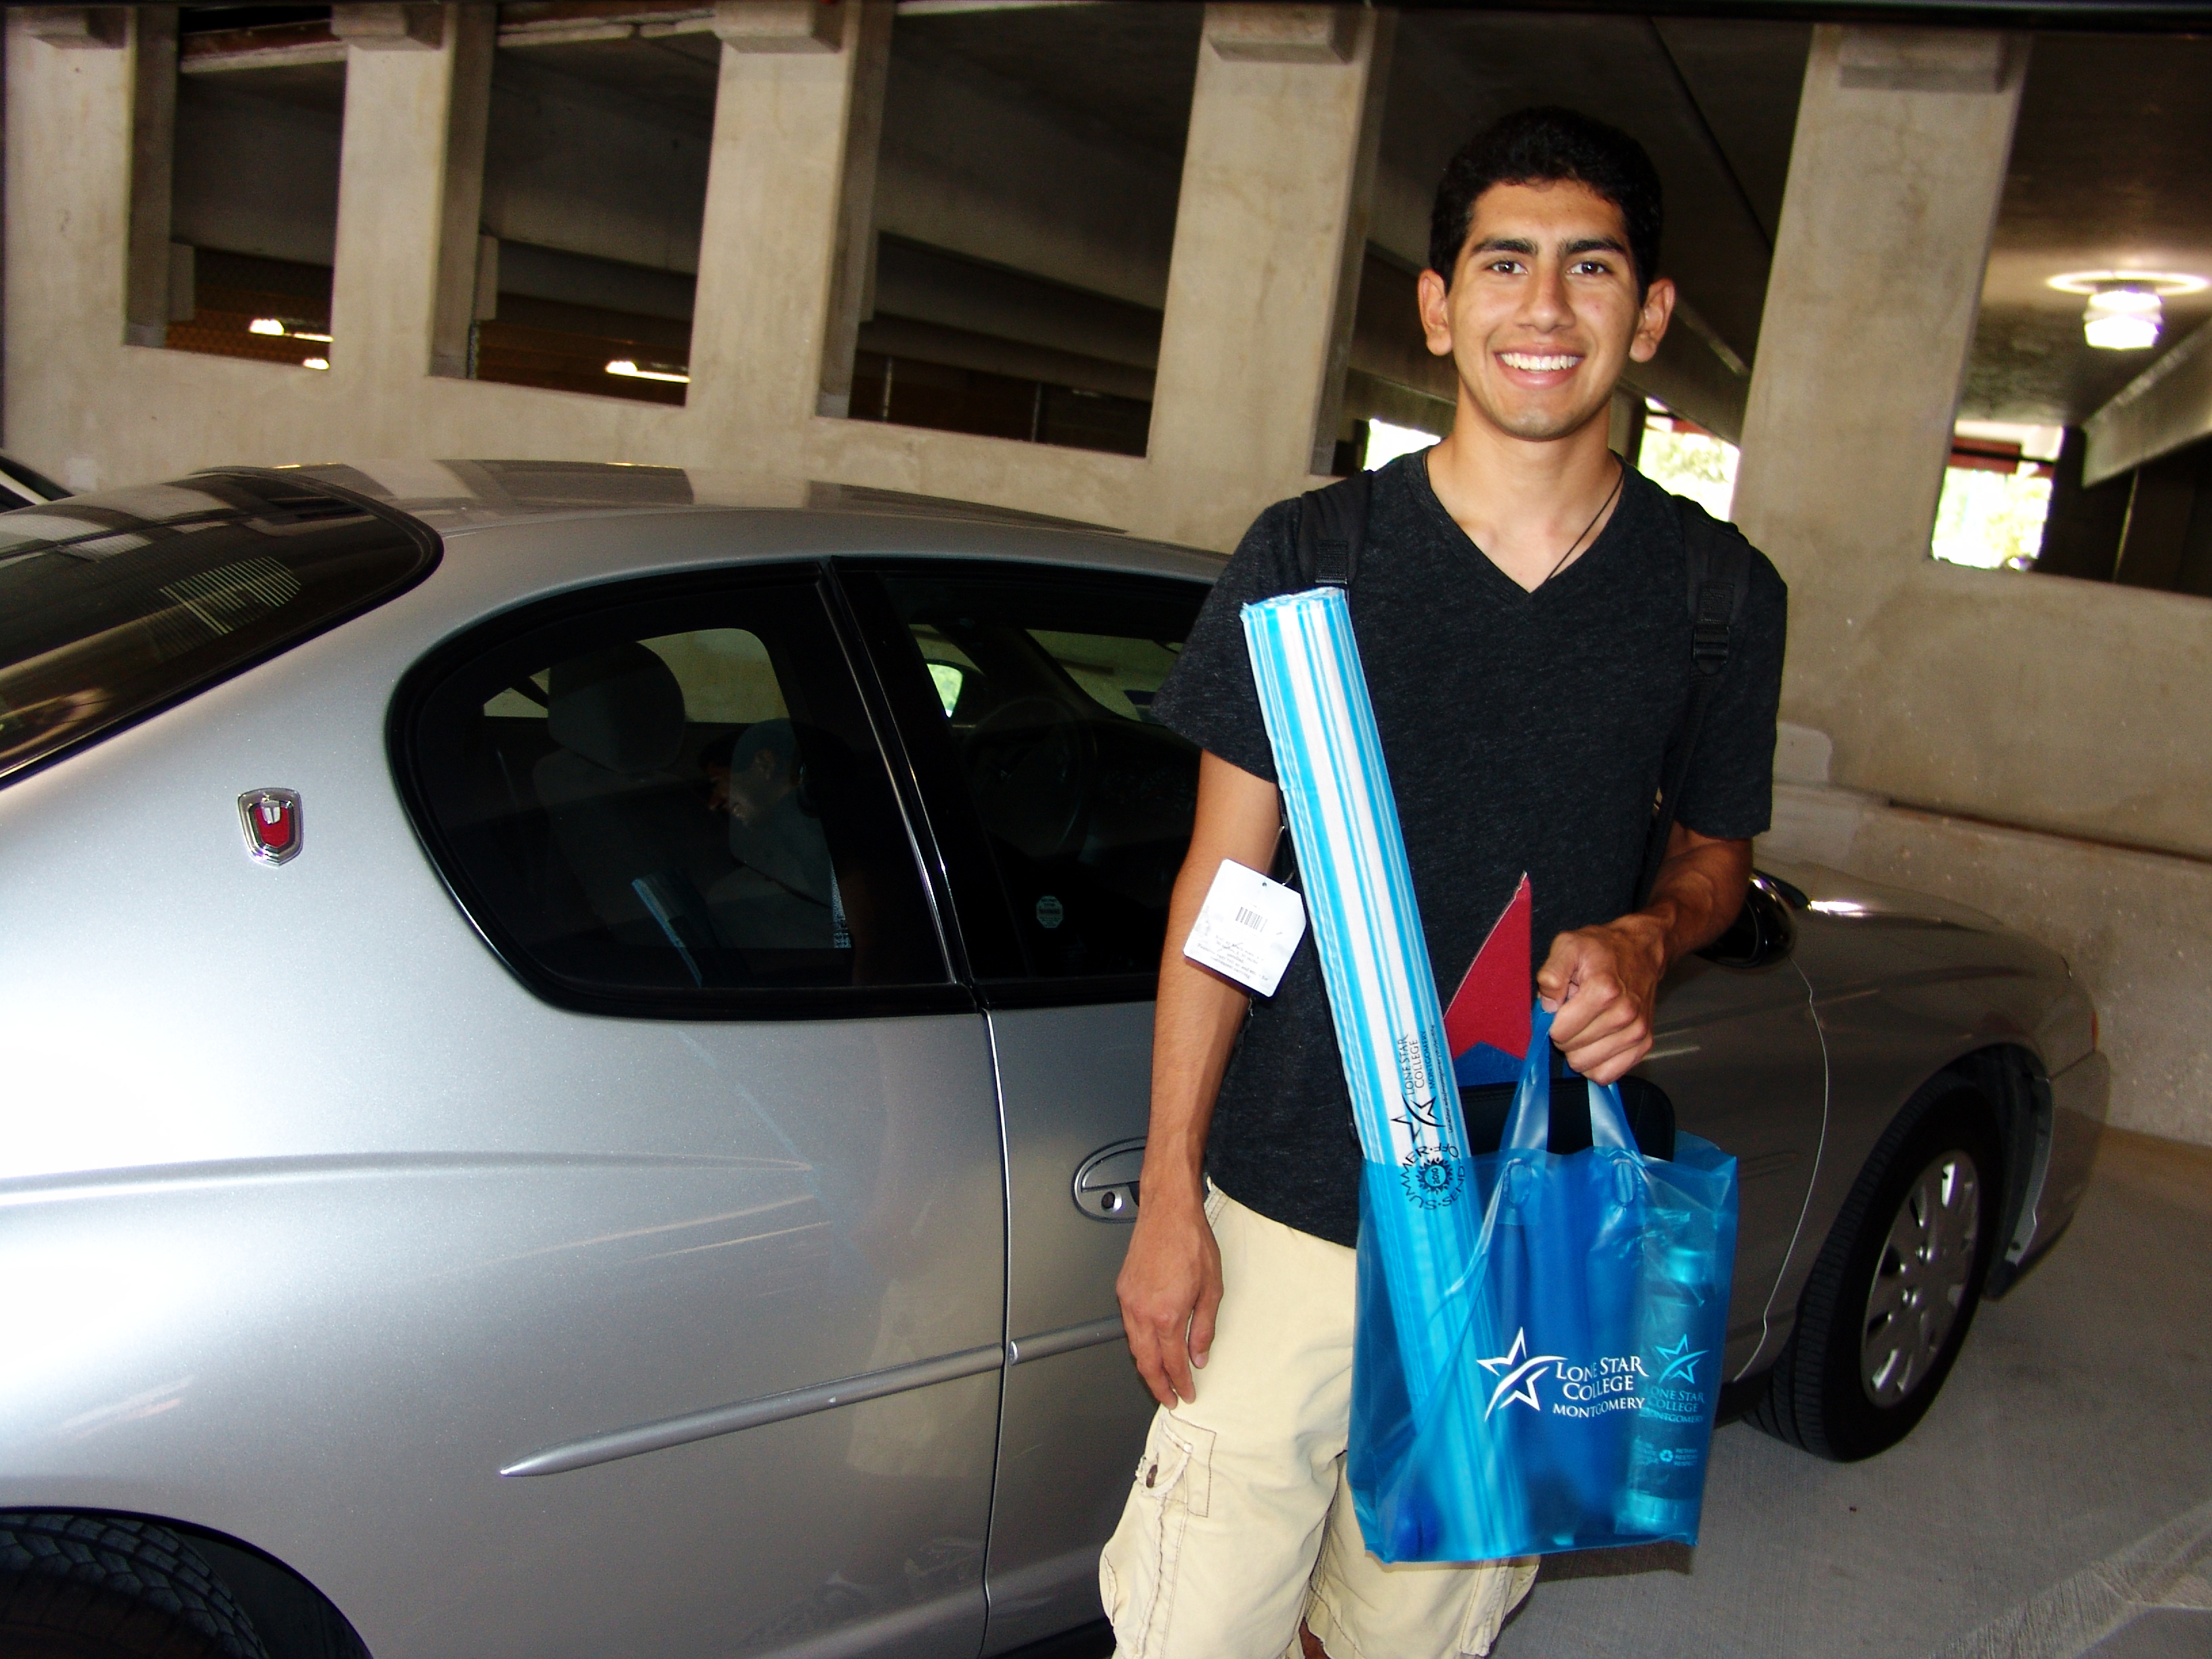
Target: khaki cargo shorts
(1240, 1521)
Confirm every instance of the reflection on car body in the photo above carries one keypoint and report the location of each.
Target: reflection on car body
(652, 1166)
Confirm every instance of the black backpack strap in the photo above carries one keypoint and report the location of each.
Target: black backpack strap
(1332, 523)
(1719, 572)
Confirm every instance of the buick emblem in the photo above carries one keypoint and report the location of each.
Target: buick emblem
(271, 819)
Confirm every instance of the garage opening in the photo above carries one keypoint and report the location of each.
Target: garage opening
(594, 196)
(259, 117)
(1025, 209)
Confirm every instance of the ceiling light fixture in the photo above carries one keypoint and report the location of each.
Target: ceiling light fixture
(2126, 309)
(630, 371)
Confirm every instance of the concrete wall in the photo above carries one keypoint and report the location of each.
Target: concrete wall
(2033, 704)
(82, 404)
(2131, 925)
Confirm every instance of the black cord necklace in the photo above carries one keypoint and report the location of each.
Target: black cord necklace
(1619, 477)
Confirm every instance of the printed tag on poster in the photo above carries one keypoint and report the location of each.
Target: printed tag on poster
(1248, 927)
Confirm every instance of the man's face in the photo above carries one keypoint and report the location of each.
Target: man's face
(1542, 315)
(754, 789)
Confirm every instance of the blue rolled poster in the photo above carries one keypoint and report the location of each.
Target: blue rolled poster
(1374, 961)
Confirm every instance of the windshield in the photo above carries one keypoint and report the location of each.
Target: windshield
(114, 605)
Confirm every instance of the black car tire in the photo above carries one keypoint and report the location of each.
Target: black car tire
(1819, 1397)
(108, 1587)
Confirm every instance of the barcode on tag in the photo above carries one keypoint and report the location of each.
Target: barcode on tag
(1247, 928)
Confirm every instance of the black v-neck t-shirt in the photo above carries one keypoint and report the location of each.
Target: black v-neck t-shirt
(1524, 731)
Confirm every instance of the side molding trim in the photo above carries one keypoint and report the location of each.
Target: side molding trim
(1067, 1340)
(752, 1413)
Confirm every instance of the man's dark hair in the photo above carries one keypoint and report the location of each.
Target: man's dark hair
(1541, 146)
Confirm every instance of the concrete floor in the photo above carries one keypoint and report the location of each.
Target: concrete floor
(2056, 1501)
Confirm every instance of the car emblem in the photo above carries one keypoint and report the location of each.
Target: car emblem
(271, 819)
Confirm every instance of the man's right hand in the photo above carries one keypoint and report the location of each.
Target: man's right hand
(1171, 1290)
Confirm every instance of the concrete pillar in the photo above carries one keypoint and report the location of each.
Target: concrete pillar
(768, 240)
(1902, 140)
(1268, 230)
(458, 302)
(67, 231)
(392, 181)
(146, 308)
(852, 284)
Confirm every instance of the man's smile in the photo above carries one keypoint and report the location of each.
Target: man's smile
(1532, 362)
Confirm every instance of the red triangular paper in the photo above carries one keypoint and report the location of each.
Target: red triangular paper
(1491, 1003)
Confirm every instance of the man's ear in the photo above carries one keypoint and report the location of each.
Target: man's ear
(1434, 305)
(1652, 322)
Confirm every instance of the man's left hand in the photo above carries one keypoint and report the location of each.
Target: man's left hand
(1602, 983)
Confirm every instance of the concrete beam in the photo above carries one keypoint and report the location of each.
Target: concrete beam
(778, 26)
(390, 27)
(1283, 34)
(2167, 405)
(1256, 288)
(457, 302)
(152, 157)
(101, 29)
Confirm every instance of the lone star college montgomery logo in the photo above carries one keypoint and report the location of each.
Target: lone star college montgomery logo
(1682, 1361)
(1522, 1370)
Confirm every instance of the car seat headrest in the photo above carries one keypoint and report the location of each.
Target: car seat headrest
(620, 707)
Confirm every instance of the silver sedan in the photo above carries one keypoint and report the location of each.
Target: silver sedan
(576, 1061)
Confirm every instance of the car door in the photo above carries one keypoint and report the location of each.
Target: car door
(1064, 811)
(746, 1311)
(1738, 1052)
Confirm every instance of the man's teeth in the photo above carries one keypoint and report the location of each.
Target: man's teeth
(1531, 363)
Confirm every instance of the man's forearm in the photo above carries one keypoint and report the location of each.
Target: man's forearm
(1699, 890)
(1193, 1029)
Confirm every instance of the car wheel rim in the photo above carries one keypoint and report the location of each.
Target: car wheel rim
(1920, 1281)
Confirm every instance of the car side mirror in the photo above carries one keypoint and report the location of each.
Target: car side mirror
(1764, 932)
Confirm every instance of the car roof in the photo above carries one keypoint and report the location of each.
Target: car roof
(455, 497)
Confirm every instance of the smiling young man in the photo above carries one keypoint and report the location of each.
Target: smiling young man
(1521, 605)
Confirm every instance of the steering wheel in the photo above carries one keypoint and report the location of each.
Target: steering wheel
(1029, 762)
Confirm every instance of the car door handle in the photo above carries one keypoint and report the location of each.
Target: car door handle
(1105, 1186)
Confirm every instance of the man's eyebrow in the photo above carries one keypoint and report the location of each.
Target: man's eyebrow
(1527, 244)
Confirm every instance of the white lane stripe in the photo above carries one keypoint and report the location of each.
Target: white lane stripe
(2169, 1568)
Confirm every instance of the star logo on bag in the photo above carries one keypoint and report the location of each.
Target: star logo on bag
(1682, 1361)
(1522, 1370)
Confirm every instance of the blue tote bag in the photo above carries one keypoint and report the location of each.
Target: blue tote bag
(1577, 1403)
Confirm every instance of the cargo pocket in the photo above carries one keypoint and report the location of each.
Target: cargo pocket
(1498, 1588)
(1137, 1571)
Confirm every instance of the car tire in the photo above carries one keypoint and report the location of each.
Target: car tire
(1894, 1293)
(108, 1587)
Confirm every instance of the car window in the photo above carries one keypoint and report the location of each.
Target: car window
(115, 604)
(676, 799)
(1044, 682)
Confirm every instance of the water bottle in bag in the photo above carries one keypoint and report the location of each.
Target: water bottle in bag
(1667, 1448)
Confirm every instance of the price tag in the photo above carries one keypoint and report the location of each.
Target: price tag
(1248, 928)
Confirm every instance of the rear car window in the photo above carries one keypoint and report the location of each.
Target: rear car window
(115, 604)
